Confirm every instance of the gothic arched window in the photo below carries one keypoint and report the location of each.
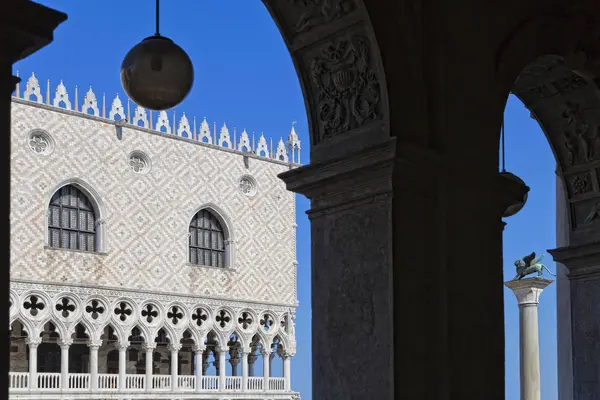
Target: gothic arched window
(207, 240)
(71, 220)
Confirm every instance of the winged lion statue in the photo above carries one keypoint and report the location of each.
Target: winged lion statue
(529, 265)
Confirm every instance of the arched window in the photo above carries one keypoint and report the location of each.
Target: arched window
(71, 220)
(207, 240)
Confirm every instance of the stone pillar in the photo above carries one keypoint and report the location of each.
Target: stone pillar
(222, 372)
(33, 344)
(528, 292)
(199, 368)
(583, 264)
(64, 362)
(174, 349)
(266, 354)
(287, 374)
(245, 370)
(122, 347)
(149, 349)
(251, 360)
(94, 345)
(234, 361)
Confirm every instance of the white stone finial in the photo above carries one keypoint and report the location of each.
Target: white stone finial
(204, 132)
(18, 86)
(116, 109)
(224, 139)
(184, 127)
(244, 143)
(48, 92)
(262, 149)
(293, 143)
(76, 98)
(163, 122)
(140, 115)
(281, 153)
(61, 96)
(32, 88)
(90, 102)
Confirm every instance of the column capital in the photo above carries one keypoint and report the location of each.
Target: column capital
(65, 343)
(199, 348)
(582, 261)
(33, 342)
(122, 345)
(174, 347)
(149, 346)
(528, 290)
(94, 344)
(265, 352)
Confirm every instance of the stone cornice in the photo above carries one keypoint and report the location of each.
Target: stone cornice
(27, 27)
(582, 261)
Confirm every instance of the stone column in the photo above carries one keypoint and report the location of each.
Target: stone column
(287, 374)
(64, 362)
(583, 264)
(94, 345)
(174, 349)
(234, 363)
(266, 354)
(33, 344)
(199, 368)
(251, 360)
(528, 292)
(149, 349)
(245, 370)
(122, 347)
(222, 372)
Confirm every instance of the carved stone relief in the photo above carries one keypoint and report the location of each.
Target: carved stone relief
(318, 12)
(585, 214)
(580, 183)
(345, 85)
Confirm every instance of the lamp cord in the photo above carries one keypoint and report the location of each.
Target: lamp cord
(157, 18)
(503, 155)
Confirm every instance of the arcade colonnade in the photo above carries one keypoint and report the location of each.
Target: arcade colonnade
(405, 102)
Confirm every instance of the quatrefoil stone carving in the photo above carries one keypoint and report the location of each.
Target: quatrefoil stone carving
(65, 306)
(34, 305)
(123, 310)
(223, 318)
(200, 316)
(266, 322)
(149, 312)
(175, 315)
(245, 320)
(95, 309)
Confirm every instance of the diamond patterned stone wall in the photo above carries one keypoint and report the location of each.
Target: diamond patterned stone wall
(145, 217)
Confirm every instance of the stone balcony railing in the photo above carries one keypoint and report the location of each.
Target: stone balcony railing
(79, 383)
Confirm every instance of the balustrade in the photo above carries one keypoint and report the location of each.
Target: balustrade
(255, 383)
(18, 380)
(186, 382)
(79, 381)
(135, 382)
(161, 382)
(210, 383)
(276, 383)
(108, 382)
(48, 380)
(233, 383)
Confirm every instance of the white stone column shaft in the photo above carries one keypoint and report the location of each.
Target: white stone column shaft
(94, 346)
(287, 372)
(266, 355)
(174, 349)
(222, 371)
(122, 364)
(244, 370)
(528, 292)
(64, 363)
(149, 364)
(33, 346)
(199, 353)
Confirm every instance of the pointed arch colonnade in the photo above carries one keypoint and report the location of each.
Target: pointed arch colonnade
(405, 102)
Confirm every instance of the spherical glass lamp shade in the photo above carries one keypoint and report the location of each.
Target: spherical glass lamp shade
(519, 203)
(157, 74)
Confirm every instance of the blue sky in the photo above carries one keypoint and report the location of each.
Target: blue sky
(245, 77)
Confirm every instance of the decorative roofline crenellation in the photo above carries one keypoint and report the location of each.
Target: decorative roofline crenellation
(159, 121)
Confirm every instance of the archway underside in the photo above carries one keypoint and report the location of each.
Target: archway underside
(567, 108)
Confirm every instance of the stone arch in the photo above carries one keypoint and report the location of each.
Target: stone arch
(97, 204)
